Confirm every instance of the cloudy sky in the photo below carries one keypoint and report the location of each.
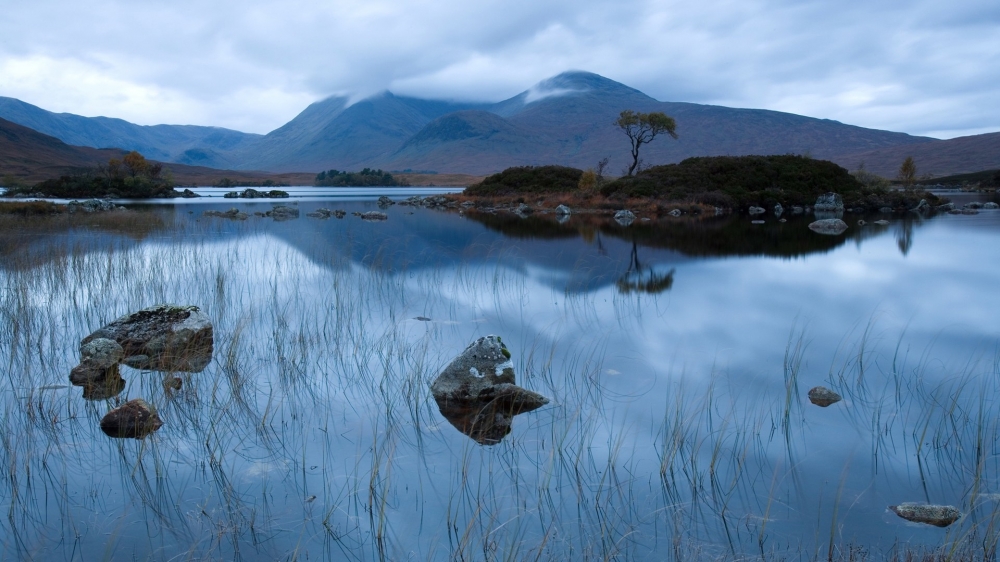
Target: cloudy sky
(929, 67)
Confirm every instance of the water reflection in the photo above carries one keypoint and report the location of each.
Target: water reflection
(641, 279)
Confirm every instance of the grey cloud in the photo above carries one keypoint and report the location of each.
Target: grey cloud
(919, 67)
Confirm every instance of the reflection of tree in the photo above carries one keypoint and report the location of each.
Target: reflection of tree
(904, 236)
(643, 280)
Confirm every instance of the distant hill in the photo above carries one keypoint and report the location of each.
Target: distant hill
(961, 155)
(187, 144)
(31, 157)
(565, 120)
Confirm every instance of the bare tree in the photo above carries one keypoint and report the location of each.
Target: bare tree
(642, 128)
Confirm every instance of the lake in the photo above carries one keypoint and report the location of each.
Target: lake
(676, 355)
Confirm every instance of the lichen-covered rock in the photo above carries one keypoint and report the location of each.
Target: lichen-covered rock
(937, 515)
(99, 359)
(829, 203)
(134, 419)
(624, 217)
(823, 396)
(162, 338)
(477, 394)
(828, 226)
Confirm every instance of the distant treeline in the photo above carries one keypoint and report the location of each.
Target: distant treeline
(131, 177)
(226, 182)
(364, 178)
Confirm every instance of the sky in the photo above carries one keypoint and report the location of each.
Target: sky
(925, 67)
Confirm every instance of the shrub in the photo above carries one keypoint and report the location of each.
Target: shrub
(529, 179)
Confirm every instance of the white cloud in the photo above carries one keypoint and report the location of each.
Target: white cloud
(919, 67)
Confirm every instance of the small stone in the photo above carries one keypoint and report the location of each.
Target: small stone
(624, 217)
(756, 210)
(134, 419)
(861, 222)
(823, 396)
(563, 210)
(937, 515)
(828, 226)
(675, 213)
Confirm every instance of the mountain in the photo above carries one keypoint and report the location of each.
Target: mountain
(186, 144)
(332, 134)
(567, 119)
(959, 155)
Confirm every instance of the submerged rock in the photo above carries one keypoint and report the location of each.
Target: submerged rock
(624, 217)
(134, 419)
(828, 226)
(233, 213)
(103, 388)
(283, 213)
(161, 338)
(823, 396)
(373, 216)
(937, 515)
(477, 394)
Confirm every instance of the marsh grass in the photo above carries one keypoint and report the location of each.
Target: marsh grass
(313, 434)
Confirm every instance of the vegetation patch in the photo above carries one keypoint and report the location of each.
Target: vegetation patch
(364, 178)
(31, 208)
(528, 179)
(131, 177)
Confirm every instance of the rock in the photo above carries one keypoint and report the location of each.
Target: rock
(882, 222)
(173, 384)
(161, 338)
(321, 213)
(373, 216)
(823, 396)
(523, 210)
(861, 222)
(134, 419)
(282, 213)
(624, 217)
(922, 207)
(937, 515)
(188, 194)
(103, 388)
(829, 203)
(828, 226)
(477, 394)
(797, 210)
(955, 212)
(99, 359)
(756, 210)
(885, 210)
(945, 207)
(782, 220)
(384, 202)
(250, 193)
(467, 204)
(90, 206)
(563, 210)
(339, 213)
(675, 213)
(970, 212)
(973, 205)
(233, 213)
(778, 210)
(991, 205)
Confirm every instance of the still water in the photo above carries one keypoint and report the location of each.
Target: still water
(676, 356)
